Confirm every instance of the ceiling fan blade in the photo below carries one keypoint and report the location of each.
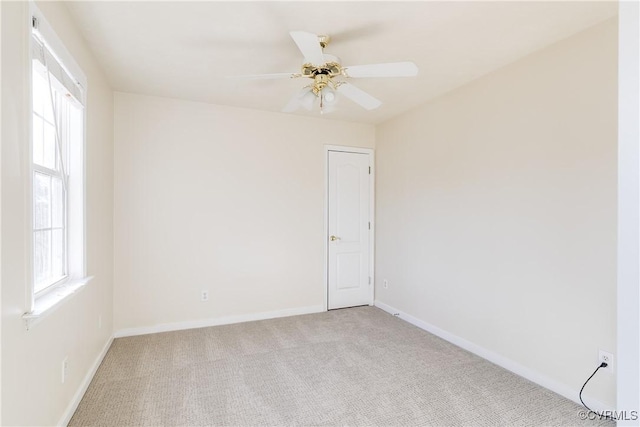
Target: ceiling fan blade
(300, 99)
(309, 46)
(359, 96)
(293, 104)
(307, 99)
(266, 76)
(391, 69)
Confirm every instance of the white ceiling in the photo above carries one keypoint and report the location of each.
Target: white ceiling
(188, 49)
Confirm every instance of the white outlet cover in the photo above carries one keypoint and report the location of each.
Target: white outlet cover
(605, 356)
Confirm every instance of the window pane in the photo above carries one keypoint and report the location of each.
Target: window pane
(76, 130)
(48, 111)
(38, 141)
(41, 258)
(40, 91)
(57, 202)
(49, 151)
(76, 127)
(41, 201)
(66, 130)
(52, 260)
(57, 254)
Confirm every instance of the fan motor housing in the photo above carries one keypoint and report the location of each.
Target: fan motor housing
(331, 69)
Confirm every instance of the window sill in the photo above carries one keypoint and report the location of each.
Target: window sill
(49, 302)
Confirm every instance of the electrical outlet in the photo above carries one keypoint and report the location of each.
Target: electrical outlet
(65, 369)
(205, 295)
(385, 284)
(607, 358)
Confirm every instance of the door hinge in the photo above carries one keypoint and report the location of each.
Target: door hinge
(369, 225)
(34, 22)
(369, 279)
(369, 170)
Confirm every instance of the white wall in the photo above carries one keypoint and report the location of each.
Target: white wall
(221, 199)
(629, 211)
(32, 393)
(496, 212)
(1, 137)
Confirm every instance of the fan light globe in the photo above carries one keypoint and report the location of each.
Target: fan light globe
(329, 96)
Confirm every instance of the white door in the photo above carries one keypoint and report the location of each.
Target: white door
(348, 229)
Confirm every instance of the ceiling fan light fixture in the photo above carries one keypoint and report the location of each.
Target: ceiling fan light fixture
(329, 95)
(328, 99)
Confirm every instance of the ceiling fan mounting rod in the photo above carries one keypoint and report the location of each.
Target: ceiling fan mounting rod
(324, 40)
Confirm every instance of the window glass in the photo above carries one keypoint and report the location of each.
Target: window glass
(57, 167)
(49, 195)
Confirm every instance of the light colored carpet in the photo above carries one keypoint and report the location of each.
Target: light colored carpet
(357, 366)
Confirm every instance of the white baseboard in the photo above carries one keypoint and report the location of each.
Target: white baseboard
(84, 385)
(508, 364)
(178, 326)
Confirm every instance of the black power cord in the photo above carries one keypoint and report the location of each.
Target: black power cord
(606, 417)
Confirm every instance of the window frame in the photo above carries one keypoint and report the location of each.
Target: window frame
(62, 110)
(44, 300)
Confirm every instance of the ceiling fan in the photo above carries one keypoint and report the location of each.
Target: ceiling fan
(328, 76)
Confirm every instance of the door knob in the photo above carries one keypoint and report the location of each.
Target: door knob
(334, 238)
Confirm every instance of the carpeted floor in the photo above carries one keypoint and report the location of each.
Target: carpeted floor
(357, 366)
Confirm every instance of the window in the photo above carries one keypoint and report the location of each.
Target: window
(57, 146)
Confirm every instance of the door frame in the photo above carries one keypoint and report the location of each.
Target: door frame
(358, 150)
